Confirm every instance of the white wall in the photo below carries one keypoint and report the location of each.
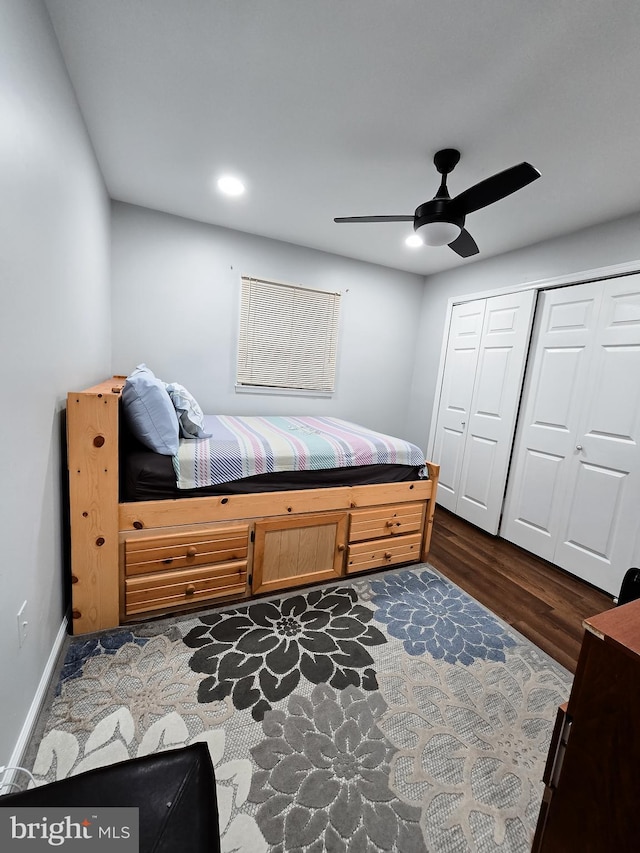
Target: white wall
(54, 310)
(176, 287)
(611, 243)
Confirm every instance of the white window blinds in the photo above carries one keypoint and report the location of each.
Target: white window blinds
(288, 336)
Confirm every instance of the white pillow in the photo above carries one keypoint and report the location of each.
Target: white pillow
(190, 416)
(150, 412)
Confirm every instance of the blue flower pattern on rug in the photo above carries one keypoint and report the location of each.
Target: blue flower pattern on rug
(432, 616)
(81, 651)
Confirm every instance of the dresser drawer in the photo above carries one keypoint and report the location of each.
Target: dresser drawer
(174, 589)
(385, 521)
(383, 552)
(148, 554)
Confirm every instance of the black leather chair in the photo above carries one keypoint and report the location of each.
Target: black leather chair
(175, 792)
(630, 587)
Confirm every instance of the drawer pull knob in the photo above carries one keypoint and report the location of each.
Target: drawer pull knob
(341, 547)
(387, 555)
(192, 551)
(389, 523)
(190, 589)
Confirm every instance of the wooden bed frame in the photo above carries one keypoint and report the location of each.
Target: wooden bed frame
(133, 561)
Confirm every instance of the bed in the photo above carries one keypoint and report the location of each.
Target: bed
(151, 534)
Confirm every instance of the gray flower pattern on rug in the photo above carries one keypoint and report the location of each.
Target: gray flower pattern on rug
(258, 654)
(323, 782)
(431, 616)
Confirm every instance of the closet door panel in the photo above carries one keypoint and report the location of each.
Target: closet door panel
(554, 389)
(465, 333)
(449, 453)
(539, 479)
(480, 462)
(593, 506)
(501, 360)
(600, 519)
(560, 369)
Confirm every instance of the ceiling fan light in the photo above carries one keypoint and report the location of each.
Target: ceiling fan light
(230, 185)
(438, 233)
(414, 241)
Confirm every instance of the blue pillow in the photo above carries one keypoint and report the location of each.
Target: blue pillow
(149, 412)
(189, 412)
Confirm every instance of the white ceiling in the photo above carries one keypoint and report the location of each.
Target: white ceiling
(336, 107)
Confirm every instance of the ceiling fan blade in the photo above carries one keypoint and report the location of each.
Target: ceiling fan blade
(464, 245)
(497, 187)
(373, 218)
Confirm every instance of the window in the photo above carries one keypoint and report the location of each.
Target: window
(288, 336)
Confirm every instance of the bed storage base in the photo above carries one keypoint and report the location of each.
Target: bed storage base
(131, 561)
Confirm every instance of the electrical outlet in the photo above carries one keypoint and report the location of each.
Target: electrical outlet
(23, 623)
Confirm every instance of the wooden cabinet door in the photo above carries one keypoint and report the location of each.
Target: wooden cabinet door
(294, 551)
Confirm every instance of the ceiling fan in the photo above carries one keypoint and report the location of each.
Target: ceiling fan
(440, 221)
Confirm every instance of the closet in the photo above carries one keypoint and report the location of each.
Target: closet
(574, 489)
(481, 383)
(564, 482)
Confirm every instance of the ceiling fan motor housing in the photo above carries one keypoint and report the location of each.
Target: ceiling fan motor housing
(438, 210)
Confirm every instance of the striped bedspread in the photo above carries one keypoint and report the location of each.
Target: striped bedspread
(244, 446)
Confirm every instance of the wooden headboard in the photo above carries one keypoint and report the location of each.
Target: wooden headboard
(92, 440)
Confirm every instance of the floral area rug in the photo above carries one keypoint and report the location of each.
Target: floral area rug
(389, 713)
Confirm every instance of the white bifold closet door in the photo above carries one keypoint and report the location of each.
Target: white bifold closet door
(574, 488)
(481, 386)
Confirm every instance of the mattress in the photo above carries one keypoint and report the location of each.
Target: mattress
(246, 455)
(147, 476)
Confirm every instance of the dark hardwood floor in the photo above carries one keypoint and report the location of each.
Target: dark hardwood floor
(541, 601)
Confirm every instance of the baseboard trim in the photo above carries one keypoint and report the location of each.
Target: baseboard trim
(35, 708)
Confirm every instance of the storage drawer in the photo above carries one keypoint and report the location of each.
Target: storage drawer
(147, 554)
(383, 552)
(394, 520)
(179, 588)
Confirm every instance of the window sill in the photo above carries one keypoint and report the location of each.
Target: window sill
(281, 392)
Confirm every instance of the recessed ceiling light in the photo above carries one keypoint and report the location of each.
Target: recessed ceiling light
(413, 241)
(229, 185)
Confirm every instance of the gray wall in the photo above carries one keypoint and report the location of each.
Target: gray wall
(612, 243)
(175, 298)
(54, 305)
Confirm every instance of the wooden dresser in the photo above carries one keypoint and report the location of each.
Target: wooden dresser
(591, 802)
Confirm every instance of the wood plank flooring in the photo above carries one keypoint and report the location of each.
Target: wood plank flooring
(541, 601)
